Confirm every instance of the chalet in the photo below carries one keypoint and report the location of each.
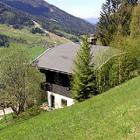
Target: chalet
(57, 64)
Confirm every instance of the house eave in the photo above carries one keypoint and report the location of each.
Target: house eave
(58, 71)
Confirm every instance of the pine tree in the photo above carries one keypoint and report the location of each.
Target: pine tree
(108, 21)
(114, 13)
(84, 77)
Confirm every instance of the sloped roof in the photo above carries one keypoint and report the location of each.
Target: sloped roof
(61, 58)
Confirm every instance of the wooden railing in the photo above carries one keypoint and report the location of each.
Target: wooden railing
(58, 89)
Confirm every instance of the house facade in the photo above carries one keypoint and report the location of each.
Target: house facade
(57, 86)
(57, 65)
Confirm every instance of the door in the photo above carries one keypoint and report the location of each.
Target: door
(52, 101)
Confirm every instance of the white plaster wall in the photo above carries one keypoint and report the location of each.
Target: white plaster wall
(58, 99)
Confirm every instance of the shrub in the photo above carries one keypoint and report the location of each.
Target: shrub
(17, 26)
(37, 30)
(4, 41)
(27, 114)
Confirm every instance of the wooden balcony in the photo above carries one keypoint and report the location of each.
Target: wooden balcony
(58, 89)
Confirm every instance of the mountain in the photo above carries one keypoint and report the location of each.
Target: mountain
(13, 17)
(92, 20)
(52, 18)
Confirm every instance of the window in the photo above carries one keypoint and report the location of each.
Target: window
(63, 102)
(52, 101)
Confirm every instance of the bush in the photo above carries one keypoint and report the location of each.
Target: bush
(4, 41)
(35, 110)
(37, 30)
(31, 112)
(17, 26)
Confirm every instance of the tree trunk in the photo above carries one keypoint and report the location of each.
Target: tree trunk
(19, 109)
(15, 110)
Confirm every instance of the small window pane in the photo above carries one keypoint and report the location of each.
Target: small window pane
(63, 102)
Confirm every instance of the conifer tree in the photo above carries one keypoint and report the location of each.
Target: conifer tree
(108, 21)
(114, 13)
(84, 77)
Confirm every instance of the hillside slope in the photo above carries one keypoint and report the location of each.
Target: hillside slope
(52, 18)
(114, 115)
(35, 44)
(13, 17)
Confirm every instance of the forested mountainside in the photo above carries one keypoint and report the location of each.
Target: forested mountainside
(52, 18)
(10, 16)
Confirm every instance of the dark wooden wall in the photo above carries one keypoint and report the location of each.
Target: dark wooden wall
(57, 82)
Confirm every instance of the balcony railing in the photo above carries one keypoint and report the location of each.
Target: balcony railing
(58, 89)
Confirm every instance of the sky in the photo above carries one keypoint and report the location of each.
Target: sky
(80, 8)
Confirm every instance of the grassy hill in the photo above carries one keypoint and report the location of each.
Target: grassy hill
(35, 44)
(114, 115)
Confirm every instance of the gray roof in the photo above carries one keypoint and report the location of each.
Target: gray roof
(61, 58)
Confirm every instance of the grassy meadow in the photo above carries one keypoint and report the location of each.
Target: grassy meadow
(35, 44)
(114, 115)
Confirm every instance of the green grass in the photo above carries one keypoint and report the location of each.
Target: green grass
(4, 123)
(25, 34)
(33, 43)
(33, 51)
(114, 115)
